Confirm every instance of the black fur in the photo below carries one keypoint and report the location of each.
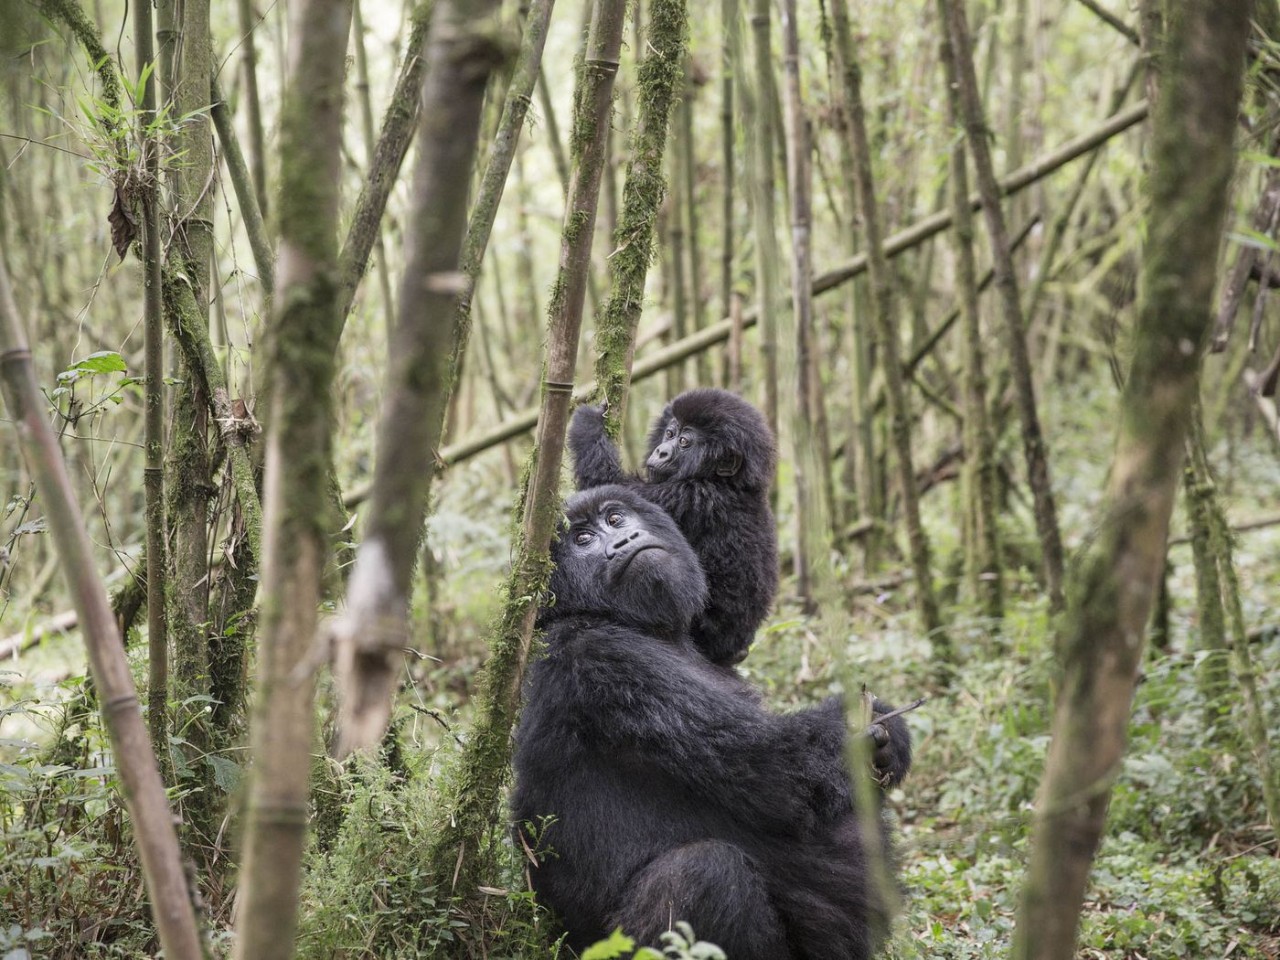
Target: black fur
(716, 488)
(669, 792)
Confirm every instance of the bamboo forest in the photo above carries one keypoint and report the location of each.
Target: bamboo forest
(640, 479)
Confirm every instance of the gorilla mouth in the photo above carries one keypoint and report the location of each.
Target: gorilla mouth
(629, 558)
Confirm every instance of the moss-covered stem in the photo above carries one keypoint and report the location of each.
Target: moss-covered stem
(253, 105)
(643, 189)
(198, 355)
(299, 435)
(471, 811)
(884, 309)
(1116, 579)
(798, 359)
(82, 27)
(760, 167)
(1220, 551)
(1034, 450)
(153, 400)
(139, 777)
(1213, 676)
(463, 52)
(243, 183)
(364, 101)
(501, 155)
(398, 125)
(982, 549)
(189, 467)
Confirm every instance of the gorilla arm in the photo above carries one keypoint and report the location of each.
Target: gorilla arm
(595, 457)
(662, 703)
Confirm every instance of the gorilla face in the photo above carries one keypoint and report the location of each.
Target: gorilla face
(619, 555)
(685, 452)
(709, 433)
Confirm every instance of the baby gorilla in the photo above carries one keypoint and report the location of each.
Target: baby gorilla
(652, 786)
(711, 459)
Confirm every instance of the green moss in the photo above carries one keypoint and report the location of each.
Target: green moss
(660, 76)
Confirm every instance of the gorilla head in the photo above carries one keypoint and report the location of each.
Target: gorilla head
(709, 432)
(618, 556)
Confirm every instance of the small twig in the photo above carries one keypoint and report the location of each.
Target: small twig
(900, 711)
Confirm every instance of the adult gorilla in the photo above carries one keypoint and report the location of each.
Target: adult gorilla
(652, 786)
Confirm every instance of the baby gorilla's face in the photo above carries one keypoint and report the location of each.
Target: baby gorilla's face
(622, 557)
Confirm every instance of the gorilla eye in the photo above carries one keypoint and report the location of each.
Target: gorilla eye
(614, 519)
(684, 441)
(582, 538)
(670, 433)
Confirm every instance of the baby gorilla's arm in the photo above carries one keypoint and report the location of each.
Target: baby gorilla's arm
(595, 458)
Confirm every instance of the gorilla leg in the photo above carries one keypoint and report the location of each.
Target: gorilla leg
(716, 888)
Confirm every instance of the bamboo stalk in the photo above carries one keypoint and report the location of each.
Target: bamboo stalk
(306, 314)
(1115, 581)
(140, 782)
(885, 313)
(398, 125)
(982, 549)
(471, 811)
(153, 402)
(1034, 451)
(373, 632)
(642, 193)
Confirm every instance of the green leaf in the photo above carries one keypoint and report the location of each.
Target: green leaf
(616, 945)
(104, 361)
(226, 773)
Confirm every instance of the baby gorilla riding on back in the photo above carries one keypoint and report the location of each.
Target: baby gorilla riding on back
(653, 786)
(711, 459)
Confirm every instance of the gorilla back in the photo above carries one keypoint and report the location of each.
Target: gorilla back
(652, 785)
(711, 460)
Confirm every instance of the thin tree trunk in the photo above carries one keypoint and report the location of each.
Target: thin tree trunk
(398, 125)
(982, 552)
(760, 160)
(860, 463)
(642, 193)
(374, 631)
(189, 469)
(306, 318)
(153, 404)
(812, 513)
(140, 782)
(1220, 551)
(689, 184)
(729, 42)
(1117, 578)
(363, 98)
(470, 812)
(245, 190)
(253, 106)
(885, 311)
(1036, 455)
(1214, 674)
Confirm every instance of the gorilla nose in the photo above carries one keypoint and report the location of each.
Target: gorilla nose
(621, 544)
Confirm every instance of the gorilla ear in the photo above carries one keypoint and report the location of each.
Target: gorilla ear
(729, 465)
